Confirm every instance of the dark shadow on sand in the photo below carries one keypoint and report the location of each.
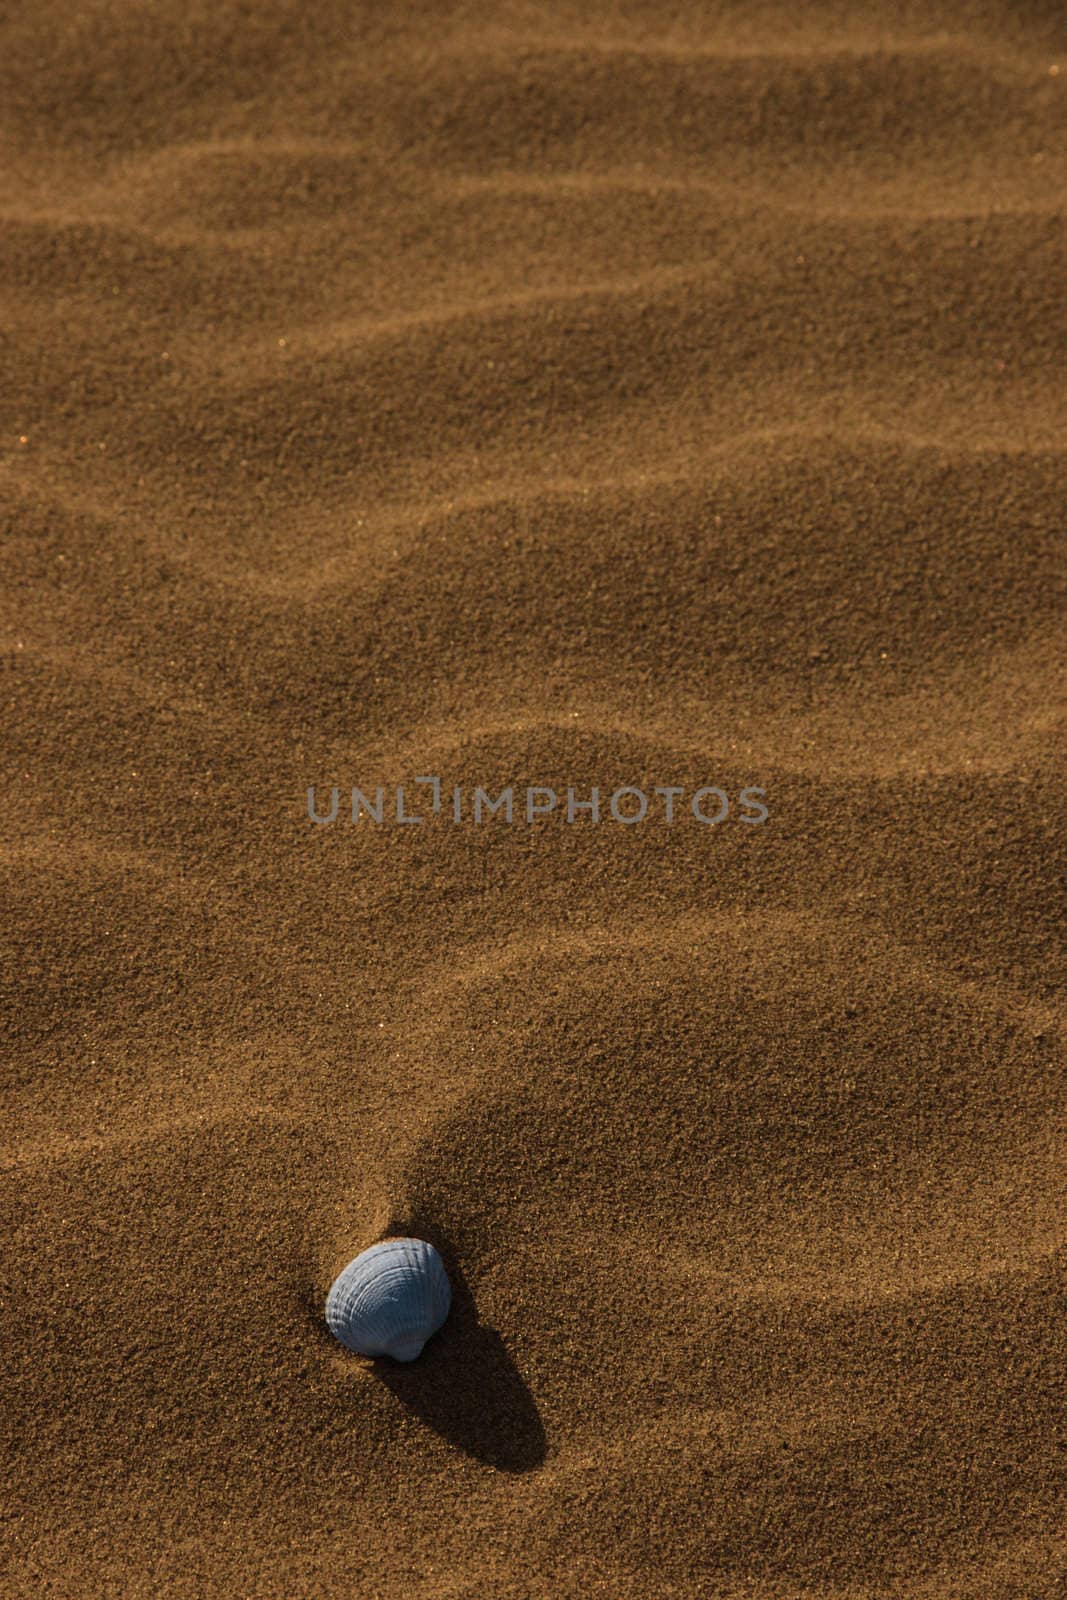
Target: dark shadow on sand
(464, 1385)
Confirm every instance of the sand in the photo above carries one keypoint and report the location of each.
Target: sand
(660, 397)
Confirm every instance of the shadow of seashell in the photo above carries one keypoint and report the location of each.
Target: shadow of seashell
(465, 1385)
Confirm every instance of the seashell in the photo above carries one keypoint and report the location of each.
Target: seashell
(390, 1299)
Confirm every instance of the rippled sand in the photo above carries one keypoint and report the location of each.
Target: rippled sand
(561, 396)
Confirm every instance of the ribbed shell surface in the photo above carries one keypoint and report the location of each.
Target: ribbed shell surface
(390, 1299)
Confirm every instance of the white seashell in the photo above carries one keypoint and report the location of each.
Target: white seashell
(390, 1299)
